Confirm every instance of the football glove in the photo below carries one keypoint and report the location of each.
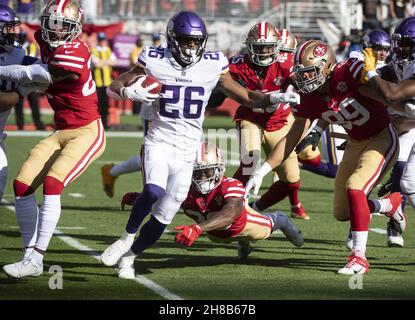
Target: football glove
(370, 64)
(24, 89)
(284, 97)
(129, 198)
(188, 234)
(136, 92)
(312, 139)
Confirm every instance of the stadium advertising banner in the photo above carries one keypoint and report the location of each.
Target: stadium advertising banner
(122, 46)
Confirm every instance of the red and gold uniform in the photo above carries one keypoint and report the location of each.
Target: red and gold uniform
(373, 144)
(248, 223)
(80, 137)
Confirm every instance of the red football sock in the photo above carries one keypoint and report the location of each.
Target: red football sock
(359, 210)
(312, 162)
(278, 191)
(293, 193)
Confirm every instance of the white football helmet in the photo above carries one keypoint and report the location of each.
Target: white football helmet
(61, 22)
(208, 168)
(262, 43)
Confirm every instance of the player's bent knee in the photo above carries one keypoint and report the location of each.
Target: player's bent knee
(21, 189)
(153, 192)
(52, 186)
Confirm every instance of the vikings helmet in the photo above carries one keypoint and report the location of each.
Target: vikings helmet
(403, 47)
(61, 22)
(288, 41)
(262, 43)
(182, 29)
(208, 168)
(313, 64)
(8, 23)
(377, 38)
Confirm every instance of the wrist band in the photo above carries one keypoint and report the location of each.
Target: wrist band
(264, 169)
(370, 74)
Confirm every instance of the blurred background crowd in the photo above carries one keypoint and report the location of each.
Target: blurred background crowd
(117, 30)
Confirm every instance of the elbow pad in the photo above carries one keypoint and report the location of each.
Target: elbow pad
(38, 73)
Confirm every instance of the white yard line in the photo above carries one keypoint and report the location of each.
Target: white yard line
(76, 195)
(156, 288)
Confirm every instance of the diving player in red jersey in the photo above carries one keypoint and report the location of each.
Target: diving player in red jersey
(61, 157)
(216, 203)
(332, 92)
(263, 69)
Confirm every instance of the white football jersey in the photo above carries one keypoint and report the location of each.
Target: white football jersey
(7, 58)
(179, 113)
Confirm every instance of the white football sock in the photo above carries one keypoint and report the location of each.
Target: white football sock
(131, 165)
(128, 237)
(27, 216)
(48, 219)
(359, 243)
(37, 256)
(382, 205)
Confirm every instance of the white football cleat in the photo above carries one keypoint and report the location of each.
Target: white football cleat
(395, 238)
(24, 268)
(126, 268)
(114, 252)
(355, 265)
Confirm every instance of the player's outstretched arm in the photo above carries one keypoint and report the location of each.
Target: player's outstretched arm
(254, 99)
(280, 153)
(223, 218)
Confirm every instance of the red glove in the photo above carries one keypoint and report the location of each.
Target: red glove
(129, 198)
(188, 235)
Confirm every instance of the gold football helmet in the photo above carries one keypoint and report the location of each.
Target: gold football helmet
(208, 168)
(288, 41)
(61, 22)
(313, 64)
(262, 43)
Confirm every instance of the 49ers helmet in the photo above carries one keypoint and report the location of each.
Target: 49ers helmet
(262, 42)
(288, 41)
(208, 168)
(61, 22)
(313, 65)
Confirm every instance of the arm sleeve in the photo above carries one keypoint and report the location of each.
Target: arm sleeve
(21, 74)
(216, 99)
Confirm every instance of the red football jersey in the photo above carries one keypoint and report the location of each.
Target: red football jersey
(360, 116)
(75, 103)
(198, 206)
(277, 78)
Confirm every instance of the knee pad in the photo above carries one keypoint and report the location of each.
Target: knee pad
(153, 192)
(21, 189)
(52, 186)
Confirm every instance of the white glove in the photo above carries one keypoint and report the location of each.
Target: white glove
(136, 92)
(410, 110)
(284, 97)
(255, 180)
(27, 88)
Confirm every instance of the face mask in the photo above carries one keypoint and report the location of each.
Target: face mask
(206, 186)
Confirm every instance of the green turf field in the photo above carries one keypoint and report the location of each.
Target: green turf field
(275, 269)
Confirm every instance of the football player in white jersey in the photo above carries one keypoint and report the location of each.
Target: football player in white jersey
(188, 75)
(400, 70)
(11, 52)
